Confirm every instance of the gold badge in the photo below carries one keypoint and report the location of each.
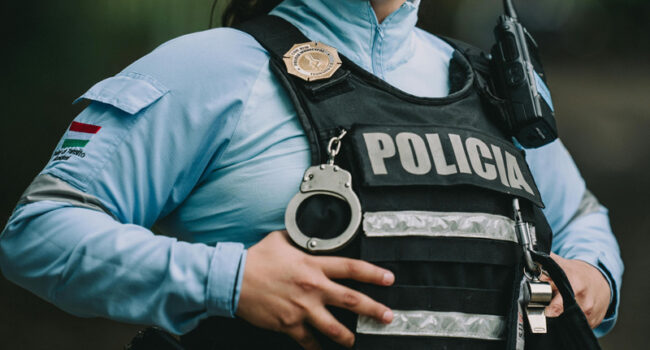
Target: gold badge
(312, 61)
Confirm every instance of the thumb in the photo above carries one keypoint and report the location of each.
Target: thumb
(556, 308)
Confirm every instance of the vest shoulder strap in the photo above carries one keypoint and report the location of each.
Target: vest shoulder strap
(480, 62)
(275, 34)
(477, 57)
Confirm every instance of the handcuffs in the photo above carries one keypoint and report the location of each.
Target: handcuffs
(329, 180)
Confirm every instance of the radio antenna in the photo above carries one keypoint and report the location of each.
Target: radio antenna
(510, 9)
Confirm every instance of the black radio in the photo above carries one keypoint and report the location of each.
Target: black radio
(519, 80)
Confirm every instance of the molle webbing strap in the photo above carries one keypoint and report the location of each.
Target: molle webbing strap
(476, 56)
(472, 251)
(369, 341)
(275, 34)
(440, 298)
(480, 62)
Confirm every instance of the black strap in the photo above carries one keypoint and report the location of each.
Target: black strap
(275, 34)
(480, 62)
(456, 250)
(570, 330)
(373, 342)
(477, 57)
(444, 299)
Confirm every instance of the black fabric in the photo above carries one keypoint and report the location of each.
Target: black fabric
(449, 274)
(436, 198)
(481, 64)
(276, 35)
(217, 333)
(457, 75)
(154, 339)
(445, 299)
(457, 250)
(369, 342)
(323, 216)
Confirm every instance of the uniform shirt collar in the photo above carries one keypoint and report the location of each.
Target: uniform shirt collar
(352, 27)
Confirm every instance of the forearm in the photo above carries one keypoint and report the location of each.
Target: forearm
(588, 237)
(90, 265)
(581, 229)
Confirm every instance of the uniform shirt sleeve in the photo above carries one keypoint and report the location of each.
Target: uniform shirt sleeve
(140, 148)
(581, 228)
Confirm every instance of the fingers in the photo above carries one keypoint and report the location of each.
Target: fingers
(304, 338)
(359, 303)
(556, 308)
(344, 268)
(329, 326)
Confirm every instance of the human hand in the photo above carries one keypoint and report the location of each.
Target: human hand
(285, 289)
(591, 290)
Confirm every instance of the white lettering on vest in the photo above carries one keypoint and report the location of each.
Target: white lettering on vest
(459, 151)
(380, 146)
(438, 154)
(515, 177)
(413, 153)
(472, 155)
(498, 157)
(484, 170)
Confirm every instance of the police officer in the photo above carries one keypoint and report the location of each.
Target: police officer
(200, 138)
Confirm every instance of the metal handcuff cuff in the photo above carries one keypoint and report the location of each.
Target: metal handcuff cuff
(537, 293)
(330, 180)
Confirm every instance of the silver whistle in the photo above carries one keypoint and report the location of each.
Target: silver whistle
(537, 296)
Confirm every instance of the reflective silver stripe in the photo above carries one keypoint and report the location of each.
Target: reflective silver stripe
(589, 204)
(438, 224)
(50, 188)
(436, 324)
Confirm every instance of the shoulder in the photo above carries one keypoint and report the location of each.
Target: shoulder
(221, 59)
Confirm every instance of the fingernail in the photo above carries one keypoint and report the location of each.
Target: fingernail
(389, 278)
(387, 317)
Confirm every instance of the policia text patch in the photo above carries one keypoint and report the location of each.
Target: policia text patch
(431, 155)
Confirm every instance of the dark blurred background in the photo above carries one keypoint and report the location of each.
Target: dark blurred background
(596, 53)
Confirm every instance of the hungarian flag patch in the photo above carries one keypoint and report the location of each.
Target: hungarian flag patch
(79, 134)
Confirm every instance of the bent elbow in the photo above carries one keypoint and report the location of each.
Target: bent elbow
(27, 257)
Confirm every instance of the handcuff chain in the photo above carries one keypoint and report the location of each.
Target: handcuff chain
(334, 146)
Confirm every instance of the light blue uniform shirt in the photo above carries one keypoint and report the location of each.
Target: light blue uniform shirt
(199, 138)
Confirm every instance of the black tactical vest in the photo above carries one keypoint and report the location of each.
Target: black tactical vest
(436, 178)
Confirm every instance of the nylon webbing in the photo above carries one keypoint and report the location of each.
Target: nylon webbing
(468, 300)
(275, 34)
(458, 250)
